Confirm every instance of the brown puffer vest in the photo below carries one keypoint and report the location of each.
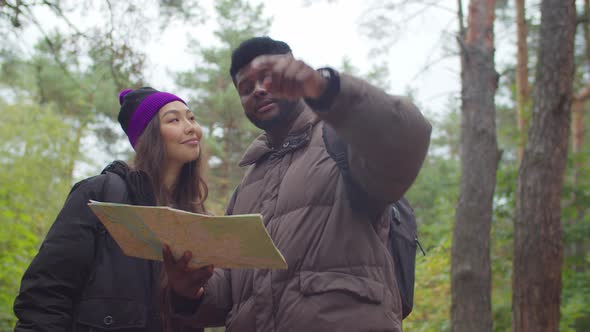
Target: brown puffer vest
(340, 274)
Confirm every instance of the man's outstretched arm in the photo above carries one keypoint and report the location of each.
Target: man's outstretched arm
(387, 136)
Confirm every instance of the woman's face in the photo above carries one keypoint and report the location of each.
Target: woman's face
(180, 132)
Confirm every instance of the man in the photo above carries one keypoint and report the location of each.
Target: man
(340, 274)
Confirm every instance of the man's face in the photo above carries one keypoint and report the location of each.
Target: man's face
(263, 110)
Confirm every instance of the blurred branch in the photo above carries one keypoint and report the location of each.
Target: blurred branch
(431, 62)
(391, 6)
(53, 49)
(60, 13)
(114, 73)
(427, 66)
(385, 20)
(461, 19)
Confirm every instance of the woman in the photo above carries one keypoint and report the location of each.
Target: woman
(80, 280)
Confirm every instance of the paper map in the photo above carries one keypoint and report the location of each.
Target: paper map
(239, 241)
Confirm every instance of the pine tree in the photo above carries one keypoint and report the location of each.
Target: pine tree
(215, 101)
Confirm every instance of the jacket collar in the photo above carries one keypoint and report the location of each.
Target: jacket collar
(299, 136)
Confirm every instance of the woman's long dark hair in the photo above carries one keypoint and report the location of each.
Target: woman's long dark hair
(190, 190)
(189, 193)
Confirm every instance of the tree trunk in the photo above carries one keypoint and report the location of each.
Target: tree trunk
(538, 247)
(522, 77)
(578, 128)
(580, 99)
(471, 308)
(576, 248)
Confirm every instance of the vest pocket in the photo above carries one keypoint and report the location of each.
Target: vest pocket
(365, 289)
(105, 314)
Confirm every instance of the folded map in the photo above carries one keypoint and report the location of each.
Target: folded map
(239, 241)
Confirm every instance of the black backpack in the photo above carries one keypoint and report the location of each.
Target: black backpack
(403, 238)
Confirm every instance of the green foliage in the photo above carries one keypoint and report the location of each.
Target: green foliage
(65, 88)
(17, 248)
(16, 14)
(215, 100)
(83, 94)
(433, 285)
(185, 9)
(56, 75)
(35, 148)
(575, 312)
(433, 196)
(48, 109)
(576, 292)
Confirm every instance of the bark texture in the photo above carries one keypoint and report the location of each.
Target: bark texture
(538, 245)
(471, 308)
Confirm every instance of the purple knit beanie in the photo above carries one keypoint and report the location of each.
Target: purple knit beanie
(138, 107)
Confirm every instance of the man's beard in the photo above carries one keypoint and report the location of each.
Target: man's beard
(286, 108)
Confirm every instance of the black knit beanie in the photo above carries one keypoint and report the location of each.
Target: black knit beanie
(253, 47)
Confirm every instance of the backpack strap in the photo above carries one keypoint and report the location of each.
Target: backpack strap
(402, 247)
(229, 210)
(338, 150)
(114, 189)
(402, 231)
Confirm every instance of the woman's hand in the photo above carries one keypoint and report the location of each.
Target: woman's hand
(183, 280)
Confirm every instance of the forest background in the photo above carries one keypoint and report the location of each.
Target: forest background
(63, 62)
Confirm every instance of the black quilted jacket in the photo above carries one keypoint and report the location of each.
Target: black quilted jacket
(80, 280)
